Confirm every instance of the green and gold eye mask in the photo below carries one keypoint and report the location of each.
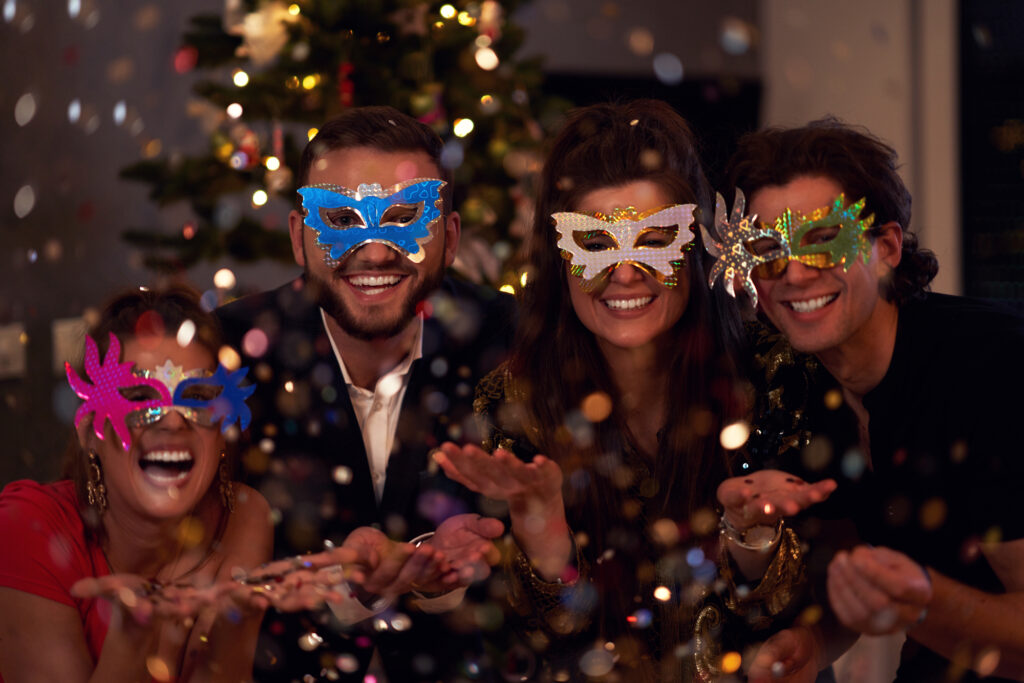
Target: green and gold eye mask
(826, 238)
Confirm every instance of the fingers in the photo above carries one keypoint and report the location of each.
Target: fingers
(895, 573)
(785, 656)
(764, 496)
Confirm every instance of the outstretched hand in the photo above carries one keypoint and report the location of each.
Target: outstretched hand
(467, 542)
(877, 590)
(765, 496)
(503, 476)
(791, 655)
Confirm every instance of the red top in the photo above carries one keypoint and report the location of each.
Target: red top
(45, 551)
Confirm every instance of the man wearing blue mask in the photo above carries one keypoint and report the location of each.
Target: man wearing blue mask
(365, 364)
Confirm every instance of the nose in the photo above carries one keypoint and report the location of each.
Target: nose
(172, 420)
(798, 274)
(626, 273)
(375, 254)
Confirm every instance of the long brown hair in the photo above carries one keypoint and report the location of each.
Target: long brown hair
(121, 316)
(556, 360)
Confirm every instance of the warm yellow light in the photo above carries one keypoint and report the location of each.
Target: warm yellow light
(294, 9)
(224, 151)
(448, 11)
(241, 78)
(259, 198)
(309, 82)
(462, 127)
(731, 662)
(486, 59)
(734, 435)
(223, 279)
(662, 593)
(311, 133)
(272, 163)
(508, 289)
(486, 100)
(522, 278)
(234, 110)
(466, 19)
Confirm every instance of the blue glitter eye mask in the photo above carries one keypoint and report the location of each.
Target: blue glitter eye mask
(403, 217)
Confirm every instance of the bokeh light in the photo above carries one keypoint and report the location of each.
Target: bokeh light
(487, 59)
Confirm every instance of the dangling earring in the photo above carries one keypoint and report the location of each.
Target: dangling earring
(227, 489)
(94, 488)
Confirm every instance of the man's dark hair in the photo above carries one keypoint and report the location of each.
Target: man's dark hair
(857, 161)
(382, 128)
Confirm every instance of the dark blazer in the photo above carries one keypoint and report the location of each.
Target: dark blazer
(307, 457)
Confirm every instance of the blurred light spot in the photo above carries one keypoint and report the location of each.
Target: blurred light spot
(342, 475)
(380, 624)
(853, 464)
(988, 660)
(259, 198)
(158, 669)
(662, 593)
(152, 148)
(309, 82)
(74, 110)
(10, 7)
(401, 622)
(668, 68)
(452, 155)
(224, 279)
(311, 133)
(731, 662)
(186, 332)
(597, 662)
(294, 9)
(289, 386)
(229, 358)
(347, 664)
(933, 514)
(311, 641)
(272, 163)
(239, 160)
(483, 41)
(833, 399)
(185, 59)
(737, 36)
(817, 454)
(768, 508)
(234, 110)
(641, 41)
(486, 59)
(191, 529)
(694, 557)
(735, 435)
(255, 343)
(25, 109)
(120, 112)
(24, 201)
(508, 289)
(188, 231)
(32, 255)
(240, 78)
(811, 615)
(597, 406)
(463, 127)
(466, 19)
(448, 11)
(74, 8)
(642, 618)
(523, 278)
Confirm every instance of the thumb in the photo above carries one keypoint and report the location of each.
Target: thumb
(488, 527)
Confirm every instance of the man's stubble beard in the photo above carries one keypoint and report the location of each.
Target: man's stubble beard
(367, 330)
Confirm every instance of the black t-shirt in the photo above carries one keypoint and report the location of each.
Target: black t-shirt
(946, 467)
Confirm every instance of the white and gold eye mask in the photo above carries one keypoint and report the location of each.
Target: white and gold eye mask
(654, 241)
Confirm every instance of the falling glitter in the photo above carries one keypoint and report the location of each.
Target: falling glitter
(24, 201)
(186, 332)
(735, 435)
(25, 109)
(641, 41)
(597, 662)
(224, 279)
(311, 641)
(668, 68)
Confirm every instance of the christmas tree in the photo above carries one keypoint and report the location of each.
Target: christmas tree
(277, 70)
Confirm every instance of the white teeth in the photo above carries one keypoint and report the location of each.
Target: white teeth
(627, 304)
(375, 280)
(811, 304)
(167, 456)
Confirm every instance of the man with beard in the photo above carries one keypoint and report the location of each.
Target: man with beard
(364, 364)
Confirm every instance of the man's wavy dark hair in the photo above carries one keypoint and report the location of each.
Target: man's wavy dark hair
(859, 162)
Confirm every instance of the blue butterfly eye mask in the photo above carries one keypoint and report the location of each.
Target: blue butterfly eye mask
(403, 216)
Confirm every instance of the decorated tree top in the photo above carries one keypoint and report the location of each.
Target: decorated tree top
(278, 70)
